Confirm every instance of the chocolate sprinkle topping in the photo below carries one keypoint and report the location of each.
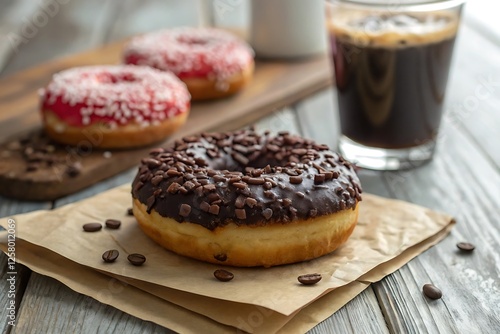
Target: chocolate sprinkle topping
(240, 213)
(245, 178)
(267, 213)
(184, 210)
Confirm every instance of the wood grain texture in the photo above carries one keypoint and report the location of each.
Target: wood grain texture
(470, 283)
(9, 207)
(360, 315)
(50, 307)
(474, 91)
(21, 276)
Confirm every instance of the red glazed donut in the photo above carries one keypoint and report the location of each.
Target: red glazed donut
(213, 63)
(113, 106)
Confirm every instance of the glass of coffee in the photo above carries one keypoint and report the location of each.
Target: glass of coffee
(391, 61)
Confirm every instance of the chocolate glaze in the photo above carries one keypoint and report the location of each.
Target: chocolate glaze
(245, 178)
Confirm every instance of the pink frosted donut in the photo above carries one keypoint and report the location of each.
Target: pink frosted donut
(213, 63)
(121, 106)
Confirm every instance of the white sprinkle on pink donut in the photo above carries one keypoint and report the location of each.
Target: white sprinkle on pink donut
(115, 94)
(191, 52)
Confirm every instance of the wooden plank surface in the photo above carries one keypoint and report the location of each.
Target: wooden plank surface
(470, 282)
(476, 86)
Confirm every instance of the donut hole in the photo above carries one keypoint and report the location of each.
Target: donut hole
(192, 40)
(109, 78)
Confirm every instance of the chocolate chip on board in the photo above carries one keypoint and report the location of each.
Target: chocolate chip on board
(136, 259)
(92, 227)
(74, 169)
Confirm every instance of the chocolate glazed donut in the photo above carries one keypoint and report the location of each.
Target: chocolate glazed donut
(246, 199)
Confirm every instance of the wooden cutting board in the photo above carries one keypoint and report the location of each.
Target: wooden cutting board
(275, 85)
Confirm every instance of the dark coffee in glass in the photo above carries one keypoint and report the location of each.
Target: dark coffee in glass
(391, 70)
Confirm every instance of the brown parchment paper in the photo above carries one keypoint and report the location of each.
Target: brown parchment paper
(148, 306)
(386, 228)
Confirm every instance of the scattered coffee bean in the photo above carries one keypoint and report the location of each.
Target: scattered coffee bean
(31, 167)
(223, 275)
(309, 279)
(466, 246)
(74, 169)
(432, 291)
(110, 255)
(136, 259)
(113, 224)
(130, 212)
(92, 227)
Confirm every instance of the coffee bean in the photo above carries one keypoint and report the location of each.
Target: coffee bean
(466, 246)
(309, 279)
(136, 259)
(92, 227)
(74, 169)
(223, 275)
(432, 291)
(110, 255)
(113, 224)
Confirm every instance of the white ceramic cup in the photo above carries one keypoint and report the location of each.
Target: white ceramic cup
(288, 28)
